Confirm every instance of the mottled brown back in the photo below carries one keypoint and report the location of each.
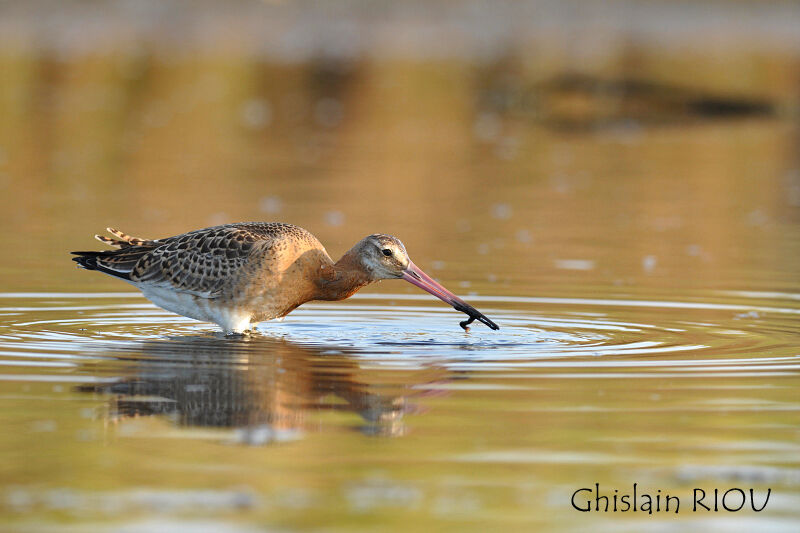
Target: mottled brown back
(201, 262)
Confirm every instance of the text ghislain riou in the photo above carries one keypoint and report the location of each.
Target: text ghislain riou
(731, 500)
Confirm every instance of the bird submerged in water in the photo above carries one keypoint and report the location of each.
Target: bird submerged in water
(236, 275)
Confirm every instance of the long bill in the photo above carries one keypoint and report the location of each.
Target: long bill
(415, 276)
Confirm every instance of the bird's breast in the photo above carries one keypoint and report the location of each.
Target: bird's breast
(278, 279)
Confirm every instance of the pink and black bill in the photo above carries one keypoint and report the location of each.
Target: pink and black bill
(414, 275)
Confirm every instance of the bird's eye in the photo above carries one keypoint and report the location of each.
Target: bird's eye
(387, 252)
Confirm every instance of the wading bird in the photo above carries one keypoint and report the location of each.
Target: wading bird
(236, 275)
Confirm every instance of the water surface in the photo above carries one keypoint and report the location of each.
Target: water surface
(382, 408)
(630, 218)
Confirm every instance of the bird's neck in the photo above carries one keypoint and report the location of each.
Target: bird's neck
(342, 279)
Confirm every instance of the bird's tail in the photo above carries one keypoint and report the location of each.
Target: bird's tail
(123, 240)
(119, 262)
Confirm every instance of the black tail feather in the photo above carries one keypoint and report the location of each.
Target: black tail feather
(88, 260)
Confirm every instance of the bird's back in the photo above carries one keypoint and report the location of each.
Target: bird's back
(213, 260)
(265, 269)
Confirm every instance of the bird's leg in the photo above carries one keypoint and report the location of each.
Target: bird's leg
(239, 333)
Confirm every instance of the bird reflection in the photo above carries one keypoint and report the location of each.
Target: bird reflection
(264, 387)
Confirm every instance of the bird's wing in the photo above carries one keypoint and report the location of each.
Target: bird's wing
(201, 262)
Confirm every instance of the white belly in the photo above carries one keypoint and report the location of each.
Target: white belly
(230, 319)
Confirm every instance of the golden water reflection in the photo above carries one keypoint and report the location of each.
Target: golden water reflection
(562, 160)
(263, 386)
(446, 155)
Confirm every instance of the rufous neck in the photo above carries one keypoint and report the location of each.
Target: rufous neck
(344, 279)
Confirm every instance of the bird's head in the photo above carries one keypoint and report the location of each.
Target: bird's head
(384, 257)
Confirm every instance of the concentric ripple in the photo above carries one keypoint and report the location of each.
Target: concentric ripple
(746, 333)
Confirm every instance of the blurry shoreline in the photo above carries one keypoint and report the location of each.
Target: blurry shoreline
(474, 29)
(745, 48)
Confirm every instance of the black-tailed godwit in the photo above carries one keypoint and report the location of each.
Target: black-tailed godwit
(236, 275)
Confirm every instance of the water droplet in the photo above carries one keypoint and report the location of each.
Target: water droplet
(502, 211)
(270, 204)
(574, 264)
(649, 263)
(523, 236)
(334, 218)
(218, 218)
(62, 499)
(19, 499)
(256, 114)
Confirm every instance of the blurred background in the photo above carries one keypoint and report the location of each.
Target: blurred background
(616, 183)
(558, 143)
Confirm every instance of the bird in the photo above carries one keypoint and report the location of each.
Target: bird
(237, 275)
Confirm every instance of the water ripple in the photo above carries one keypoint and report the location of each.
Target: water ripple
(574, 335)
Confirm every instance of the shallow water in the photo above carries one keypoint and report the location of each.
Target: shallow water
(630, 218)
(381, 408)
